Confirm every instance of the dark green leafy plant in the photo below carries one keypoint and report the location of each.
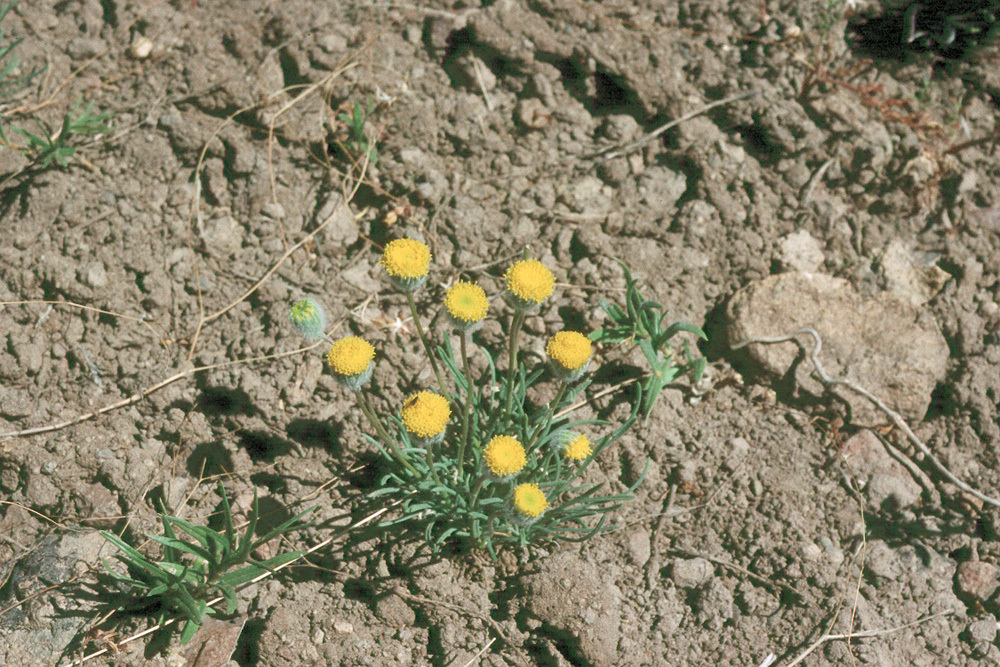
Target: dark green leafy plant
(193, 572)
(641, 321)
(59, 146)
(358, 143)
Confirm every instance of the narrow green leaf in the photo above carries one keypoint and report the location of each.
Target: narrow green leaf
(677, 327)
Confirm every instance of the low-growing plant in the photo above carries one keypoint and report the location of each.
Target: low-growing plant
(476, 460)
(191, 572)
(358, 143)
(641, 321)
(49, 146)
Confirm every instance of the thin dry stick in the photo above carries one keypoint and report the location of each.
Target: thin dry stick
(610, 153)
(826, 637)
(894, 416)
(813, 182)
(135, 398)
(265, 575)
(99, 311)
(480, 653)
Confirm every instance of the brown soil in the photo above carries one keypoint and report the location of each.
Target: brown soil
(750, 535)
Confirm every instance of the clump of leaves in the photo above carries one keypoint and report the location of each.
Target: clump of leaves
(58, 146)
(358, 143)
(642, 321)
(192, 572)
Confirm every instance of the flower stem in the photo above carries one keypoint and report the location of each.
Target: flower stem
(430, 464)
(423, 339)
(467, 415)
(517, 320)
(550, 411)
(475, 492)
(366, 408)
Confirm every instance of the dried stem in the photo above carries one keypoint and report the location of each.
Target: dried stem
(893, 416)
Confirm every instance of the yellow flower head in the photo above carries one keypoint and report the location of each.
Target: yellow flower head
(529, 282)
(569, 350)
(578, 449)
(426, 414)
(350, 356)
(504, 456)
(406, 259)
(466, 303)
(529, 500)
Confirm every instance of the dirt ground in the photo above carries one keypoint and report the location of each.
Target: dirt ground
(804, 185)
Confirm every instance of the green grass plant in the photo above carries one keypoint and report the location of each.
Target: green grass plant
(197, 565)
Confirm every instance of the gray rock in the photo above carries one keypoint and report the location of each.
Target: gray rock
(715, 605)
(977, 579)
(341, 231)
(95, 275)
(39, 630)
(982, 631)
(16, 403)
(691, 572)
(912, 281)
(221, 236)
(799, 251)
(620, 128)
(887, 346)
(82, 48)
(581, 600)
(888, 484)
(638, 547)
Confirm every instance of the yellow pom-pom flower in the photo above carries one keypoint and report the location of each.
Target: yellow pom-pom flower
(425, 415)
(577, 449)
(529, 501)
(467, 305)
(504, 456)
(570, 353)
(407, 262)
(351, 360)
(529, 282)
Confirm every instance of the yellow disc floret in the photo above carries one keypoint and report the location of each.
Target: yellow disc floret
(529, 500)
(569, 350)
(350, 356)
(530, 281)
(406, 259)
(504, 456)
(425, 414)
(578, 449)
(466, 302)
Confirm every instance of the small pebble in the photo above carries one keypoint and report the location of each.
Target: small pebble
(140, 48)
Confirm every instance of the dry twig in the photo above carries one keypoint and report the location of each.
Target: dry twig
(830, 383)
(828, 636)
(612, 152)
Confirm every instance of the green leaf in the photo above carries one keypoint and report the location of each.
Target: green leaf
(677, 327)
(652, 389)
(190, 627)
(698, 369)
(651, 355)
(181, 545)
